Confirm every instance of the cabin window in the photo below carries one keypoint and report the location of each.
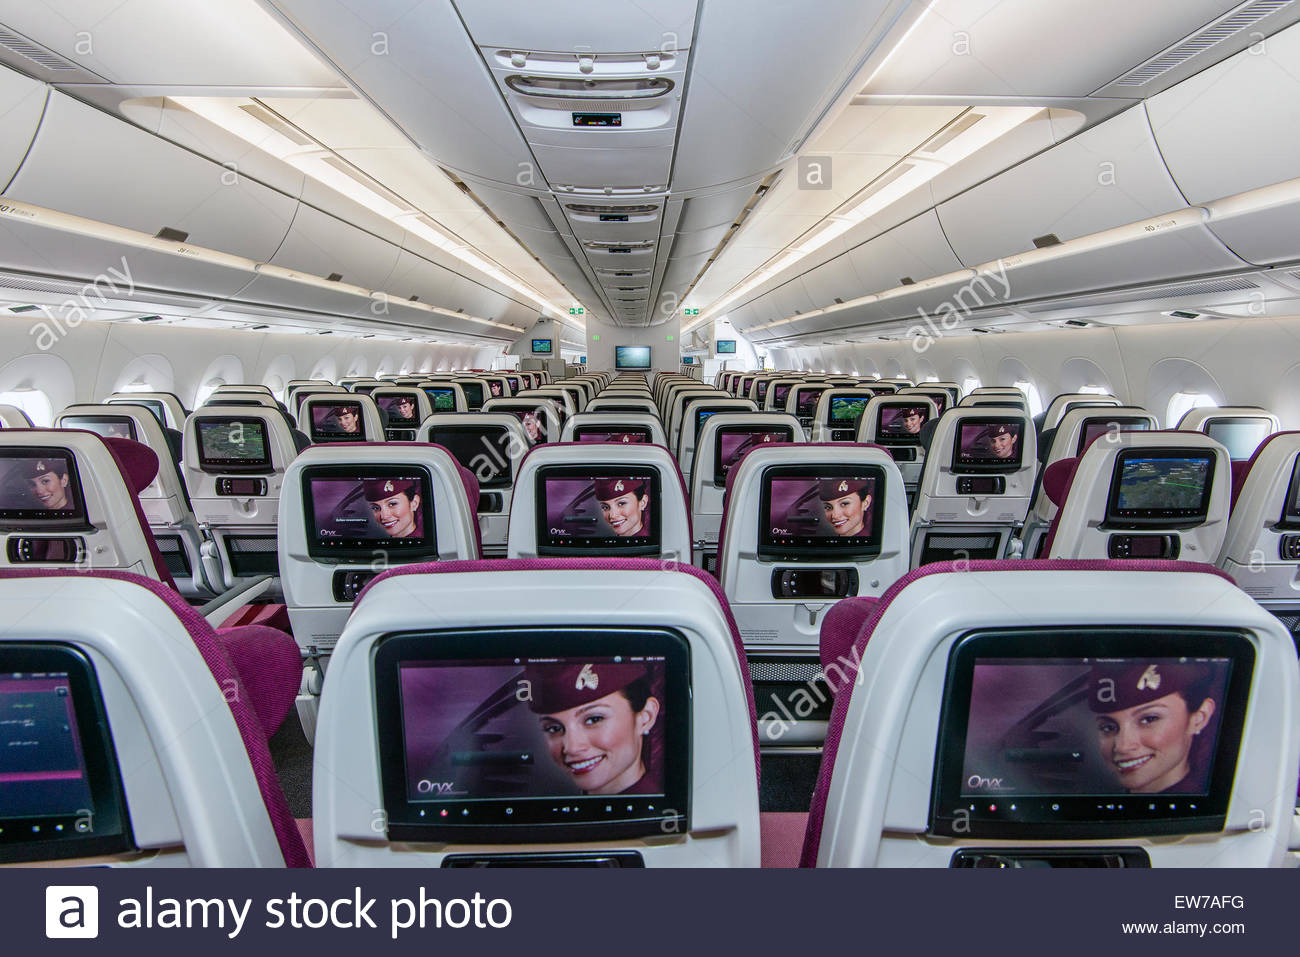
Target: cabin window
(1094, 390)
(970, 384)
(206, 390)
(1180, 403)
(1031, 394)
(137, 386)
(32, 401)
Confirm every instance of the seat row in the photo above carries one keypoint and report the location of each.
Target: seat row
(588, 712)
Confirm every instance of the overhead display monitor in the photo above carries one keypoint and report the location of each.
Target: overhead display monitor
(631, 357)
(356, 511)
(107, 426)
(233, 444)
(337, 422)
(726, 347)
(1082, 733)
(40, 489)
(731, 443)
(993, 444)
(542, 347)
(584, 509)
(815, 511)
(529, 742)
(899, 423)
(1160, 487)
(60, 788)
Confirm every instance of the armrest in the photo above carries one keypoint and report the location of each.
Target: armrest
(227, 603)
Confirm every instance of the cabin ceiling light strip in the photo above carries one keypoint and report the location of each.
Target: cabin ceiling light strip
(253, 123)
(940, 152)
(119, 235)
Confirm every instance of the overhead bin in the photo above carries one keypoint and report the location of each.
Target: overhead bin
(916, 249)
(93, 165)
(1261, 226)
(1107, 176)
(1235, 126)
(22, 101)
(323, 246)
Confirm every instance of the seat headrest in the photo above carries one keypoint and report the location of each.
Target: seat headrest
(1057, 479)
(139, 463)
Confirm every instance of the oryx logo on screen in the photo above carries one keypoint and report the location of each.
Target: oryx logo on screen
(71, 911)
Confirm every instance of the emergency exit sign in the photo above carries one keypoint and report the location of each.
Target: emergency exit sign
(577, 311)
(690, 312)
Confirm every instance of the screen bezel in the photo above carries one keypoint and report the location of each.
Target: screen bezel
(725, 347)
(111, 821)
(855, 549)
(1158, 518)
(212, 465)
(474, 401)
(367, 550)
(1290, 508)
(27, 518)
(337, 438)
(543, 347)
(652, 815)
(720, 474)
(968, 819)
(547, 545)
(893, 438)
(623, 357)
(973, 468)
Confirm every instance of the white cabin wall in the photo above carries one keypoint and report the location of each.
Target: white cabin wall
(96, 358)
(1252, 361)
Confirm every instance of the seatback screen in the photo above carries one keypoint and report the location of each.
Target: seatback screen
(1068, 733)
(810, 511)
(846, 410)
(60, 794)
(484, 450)
(532, 740)
(233, 444)
(40, 488)
(473, 394)
(582, 509)
(364, 511)
(337, 422)
(992, 444)
(402, 408)
(899, 424)
(107, 426)
(629, 436)
(1160, 487)
(733, 442)
(1240, 436)
(1114, 425)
